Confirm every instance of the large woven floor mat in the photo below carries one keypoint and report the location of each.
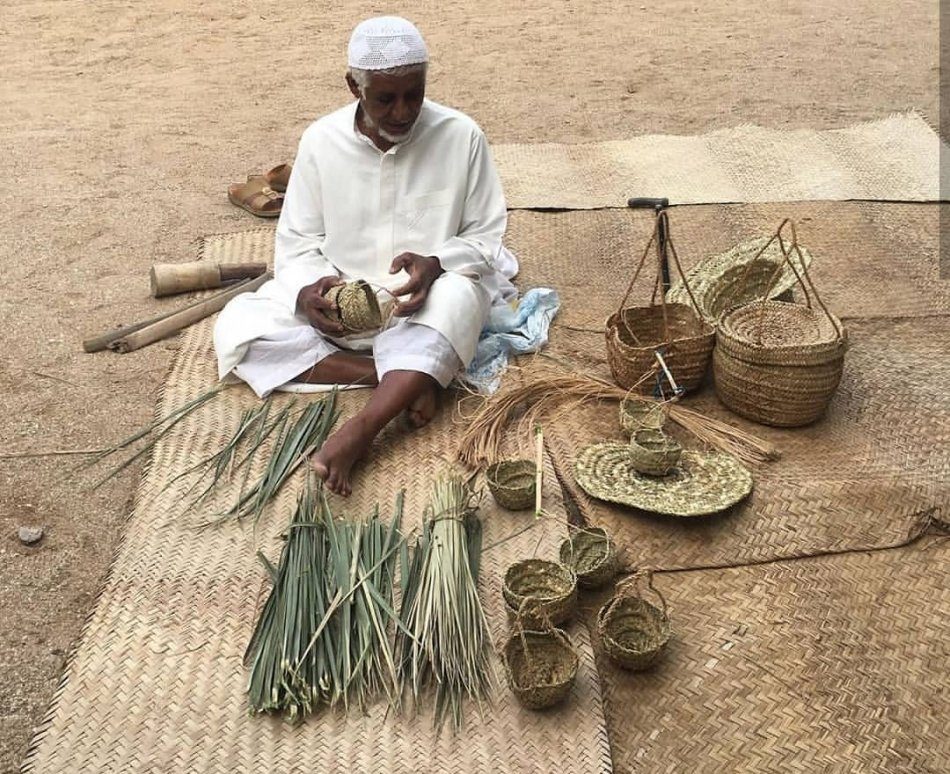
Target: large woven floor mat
(893, 159)
(157, 683)
(833, 664)
(870, 473)
(870, 260)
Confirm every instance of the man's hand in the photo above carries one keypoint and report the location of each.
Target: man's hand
(423, 271)
(312, 305)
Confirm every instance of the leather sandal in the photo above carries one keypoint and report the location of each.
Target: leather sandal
(279, 177)
(256, 196)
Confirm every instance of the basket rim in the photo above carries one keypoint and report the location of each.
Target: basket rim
(665, 633)
(572, 577)
(728, 332)
(686, 314)
(495, 468)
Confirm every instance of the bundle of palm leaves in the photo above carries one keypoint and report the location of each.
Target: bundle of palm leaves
(323, 635)
(445, 642)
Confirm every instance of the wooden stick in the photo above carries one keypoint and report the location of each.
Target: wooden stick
(99, 343)
(182, 318)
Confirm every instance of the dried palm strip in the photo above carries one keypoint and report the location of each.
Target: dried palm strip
(445, 644)
(551, 393)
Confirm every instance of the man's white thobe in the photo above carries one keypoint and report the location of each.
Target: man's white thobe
(349, 210)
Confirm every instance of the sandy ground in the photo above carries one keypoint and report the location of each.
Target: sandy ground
(124, 121)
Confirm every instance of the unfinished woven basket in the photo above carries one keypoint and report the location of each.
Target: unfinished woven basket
(653, 452)
(592, 555)
(633, 632)
(637, 412)
(777, 363)
(357, 309)
(512, 483)
(635, 334)
(541, 666)
(737, 276)
(543, 590)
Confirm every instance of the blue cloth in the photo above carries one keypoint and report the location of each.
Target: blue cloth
(510, 332)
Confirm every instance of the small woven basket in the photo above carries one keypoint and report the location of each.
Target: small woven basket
(777, 363)
(357, 309)
(541, 666)
(637, 412)
(633, 631)
(636, 333)
(592, 555)
(542, 590)
(653, 452)
(512, 483)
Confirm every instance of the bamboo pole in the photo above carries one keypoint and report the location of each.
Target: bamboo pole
(142, 334)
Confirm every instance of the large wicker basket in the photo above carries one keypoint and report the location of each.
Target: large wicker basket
(635, 334)
(777, 363)
(633, 632)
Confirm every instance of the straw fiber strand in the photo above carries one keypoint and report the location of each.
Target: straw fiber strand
(868, 474)
(157, 682)
(893, 159)
(832, 664)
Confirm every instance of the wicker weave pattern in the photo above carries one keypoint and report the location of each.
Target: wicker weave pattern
(513, 484)
(157, 682)
(540, 590)
(859, 477)
(686, 352)
(831, 664)
(540, 666)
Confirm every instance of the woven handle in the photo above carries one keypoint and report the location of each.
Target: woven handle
(545, 625)
(664, 218)
(630, 587)
(786, 258)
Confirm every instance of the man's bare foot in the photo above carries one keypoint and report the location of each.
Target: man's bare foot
(340, 452)
(422, 410)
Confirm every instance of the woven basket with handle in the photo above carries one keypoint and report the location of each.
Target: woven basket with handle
(540, 664)
(633, 631)
(778, 363)
(550, 589)
(512, 483)
(677, 331)
(592, 555)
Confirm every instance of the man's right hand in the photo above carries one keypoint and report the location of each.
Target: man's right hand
(312, 305)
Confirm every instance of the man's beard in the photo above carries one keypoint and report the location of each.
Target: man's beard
(393, 138)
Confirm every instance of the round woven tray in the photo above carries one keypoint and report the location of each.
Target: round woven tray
(632, 631)
(592, 555)
(637, 412)
(512, 483)
(542, 590)
(541, 667)
(635, 333)
(653, 452)
(701, 484)
(723, 281)
(357, 309)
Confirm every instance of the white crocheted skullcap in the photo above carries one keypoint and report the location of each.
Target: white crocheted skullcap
(385, 42)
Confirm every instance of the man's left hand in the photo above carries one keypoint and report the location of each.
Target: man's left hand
(423, 270)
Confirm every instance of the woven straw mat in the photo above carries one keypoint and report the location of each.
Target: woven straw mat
(157, 684)
(868, 474)
(894, 159)
(833, 664)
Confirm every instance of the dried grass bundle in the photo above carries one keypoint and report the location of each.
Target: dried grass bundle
(550, 393)
(445, 642)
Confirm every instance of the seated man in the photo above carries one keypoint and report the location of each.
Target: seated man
(401, 192)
